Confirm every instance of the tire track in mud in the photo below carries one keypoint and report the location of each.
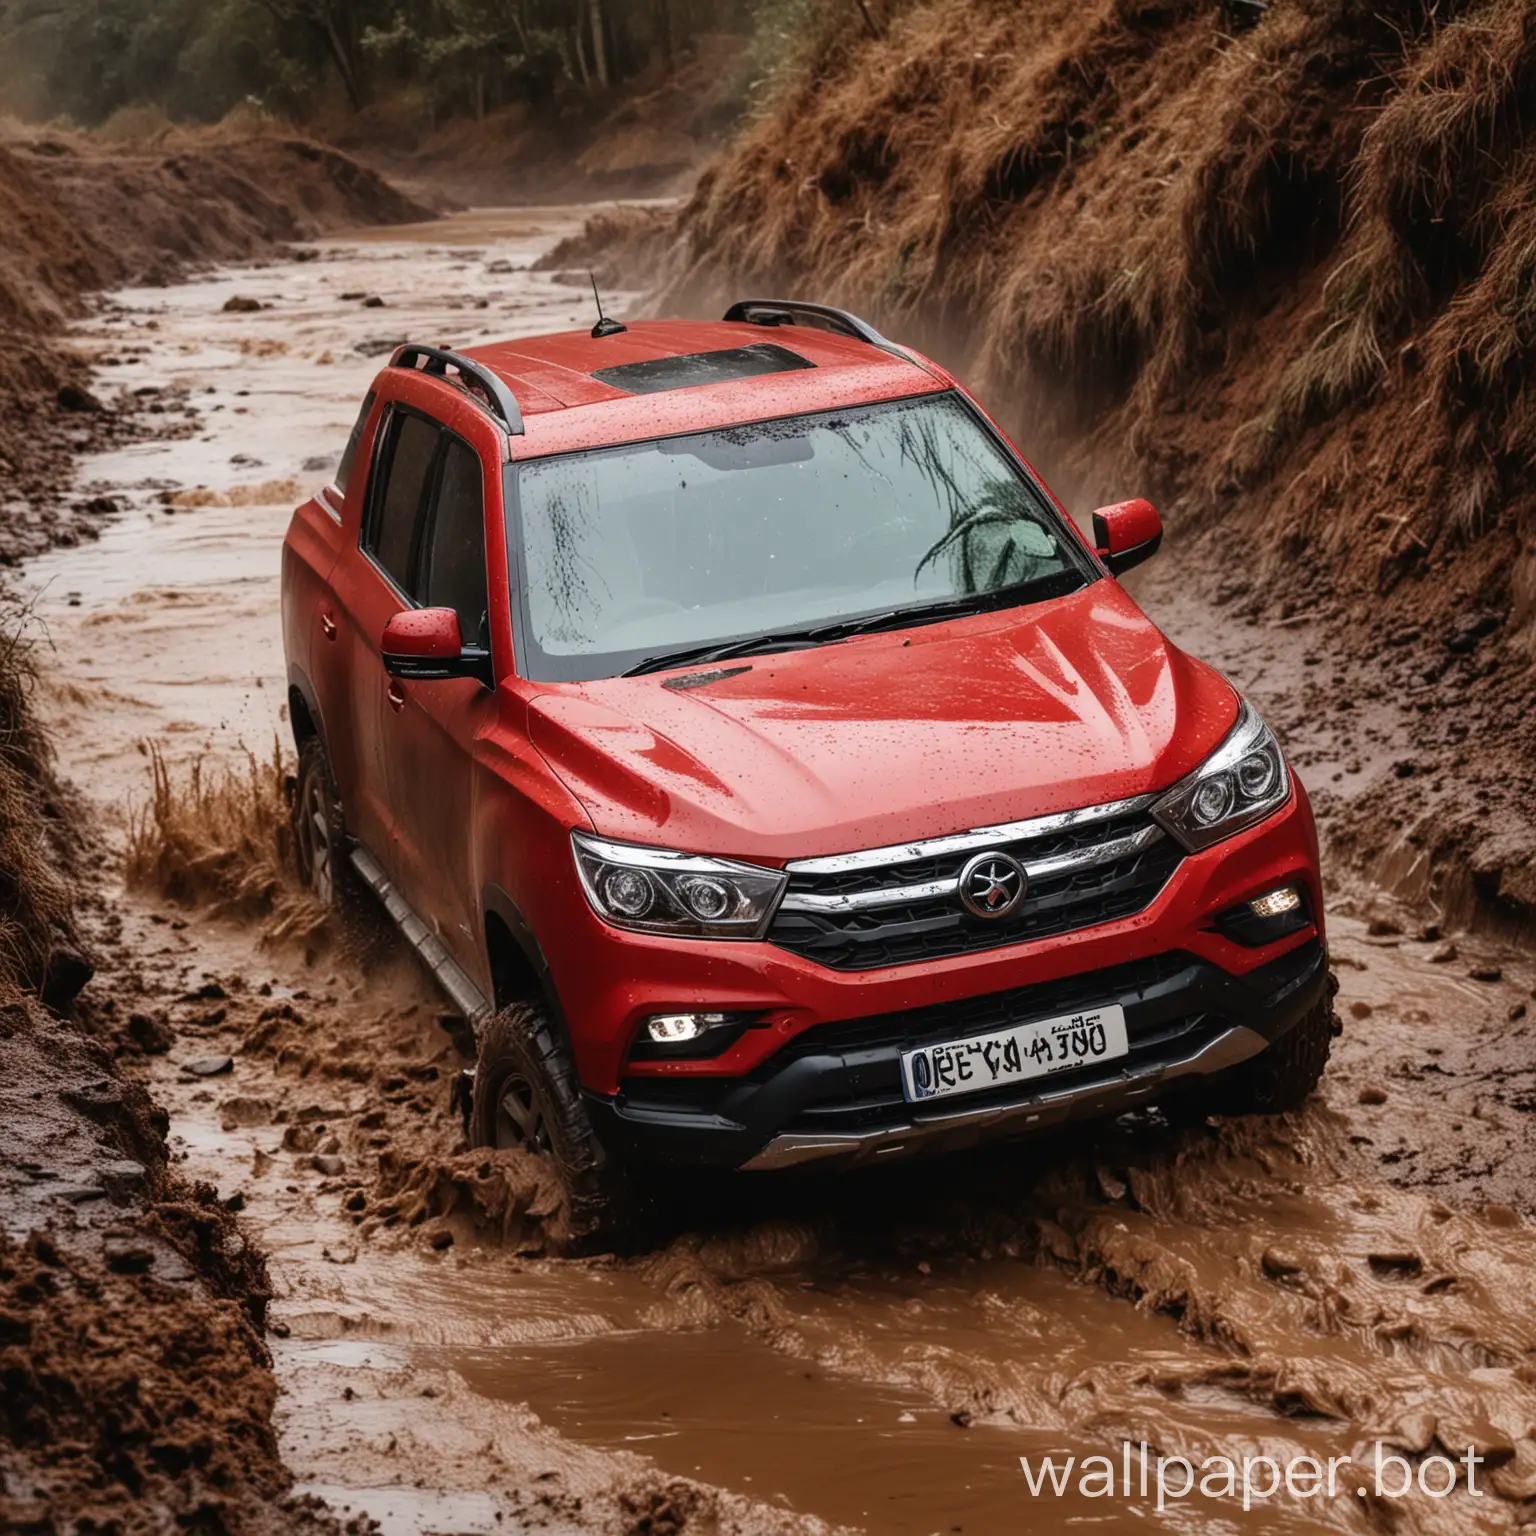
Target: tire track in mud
(875, 1352)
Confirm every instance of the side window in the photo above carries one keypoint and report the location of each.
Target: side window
(394, 520)
(349, 453)
(453, 562)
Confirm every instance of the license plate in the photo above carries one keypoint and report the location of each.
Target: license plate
(1014, 1055)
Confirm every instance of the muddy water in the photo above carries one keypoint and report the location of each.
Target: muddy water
(875, 1354)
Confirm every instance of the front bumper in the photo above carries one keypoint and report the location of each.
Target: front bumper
(835, 1092)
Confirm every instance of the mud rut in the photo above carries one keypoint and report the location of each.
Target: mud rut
(873, 1355)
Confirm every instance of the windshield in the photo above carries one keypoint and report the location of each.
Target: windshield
(630, 554)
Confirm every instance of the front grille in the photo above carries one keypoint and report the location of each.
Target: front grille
(967, 1016)
(857, 914)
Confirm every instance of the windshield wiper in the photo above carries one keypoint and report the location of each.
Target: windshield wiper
(755, 645)
(1057, 584)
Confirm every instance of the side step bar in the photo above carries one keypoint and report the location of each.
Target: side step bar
(450, 975)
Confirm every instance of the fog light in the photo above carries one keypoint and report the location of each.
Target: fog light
(1276, 903)
(675, 1028)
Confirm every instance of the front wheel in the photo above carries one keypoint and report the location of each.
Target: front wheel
(527, 1097)
(1283, 1076)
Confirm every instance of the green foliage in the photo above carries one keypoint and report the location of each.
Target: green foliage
(196, 59)
(84, 59)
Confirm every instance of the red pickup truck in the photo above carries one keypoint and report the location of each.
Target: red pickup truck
(769, 769)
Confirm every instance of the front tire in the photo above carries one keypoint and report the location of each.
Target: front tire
(1282, 1077)
(527, 1096)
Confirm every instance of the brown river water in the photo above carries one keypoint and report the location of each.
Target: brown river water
(819, 1354)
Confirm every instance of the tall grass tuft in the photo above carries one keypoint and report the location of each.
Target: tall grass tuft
(221, 837)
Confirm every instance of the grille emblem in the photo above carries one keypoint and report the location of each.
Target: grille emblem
(992, 885)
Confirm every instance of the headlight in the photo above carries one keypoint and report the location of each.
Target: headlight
(1243, 781)
(653, 890)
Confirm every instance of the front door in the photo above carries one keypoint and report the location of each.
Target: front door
(431, 728)
(372, 585)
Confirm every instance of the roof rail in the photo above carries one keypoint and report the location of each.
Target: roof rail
(500, 400)
(789, 311)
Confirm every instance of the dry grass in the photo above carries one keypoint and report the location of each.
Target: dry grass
(1180, 260)
(220, 836)
(35, 904)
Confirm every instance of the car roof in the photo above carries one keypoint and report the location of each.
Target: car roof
(567, 404)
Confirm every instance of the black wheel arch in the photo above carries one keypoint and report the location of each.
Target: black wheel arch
(516, 963)
(304, 717)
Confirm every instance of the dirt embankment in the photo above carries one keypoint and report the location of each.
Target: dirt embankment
(135, 1390)
(79, 216)
(1277, 275)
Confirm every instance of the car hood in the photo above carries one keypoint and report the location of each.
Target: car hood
(890, 737)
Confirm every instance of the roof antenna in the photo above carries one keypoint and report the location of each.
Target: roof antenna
(604, 326)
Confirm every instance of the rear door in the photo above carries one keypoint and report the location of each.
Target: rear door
(432, 727)
(373, 583)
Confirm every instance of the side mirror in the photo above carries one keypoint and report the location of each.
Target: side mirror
(425, 644)
(1126, 533)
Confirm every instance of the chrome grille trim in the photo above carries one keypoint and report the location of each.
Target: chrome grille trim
(901, 895)
(892, 896)
(1086, 858)
(962, 842)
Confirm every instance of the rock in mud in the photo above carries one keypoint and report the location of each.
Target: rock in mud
(1279, 1262)
(150, 1033)
(299, 1138)
(330, 1164)
(74, 397)
(65, 977)
(208, 1066)
(240, 304)
(1444, 955)
(125, 1256)
(242, 1112)
(1415, 1431)
(1487, 1440)
(1396, 1262)
(78, 1194)
(122, 1178)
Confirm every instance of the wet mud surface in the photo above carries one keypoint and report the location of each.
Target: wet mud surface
(871, 1354)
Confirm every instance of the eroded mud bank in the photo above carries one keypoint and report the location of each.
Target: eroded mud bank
(874, 1354)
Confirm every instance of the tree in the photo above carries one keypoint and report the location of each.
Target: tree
(599, 42)
(335, 23)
